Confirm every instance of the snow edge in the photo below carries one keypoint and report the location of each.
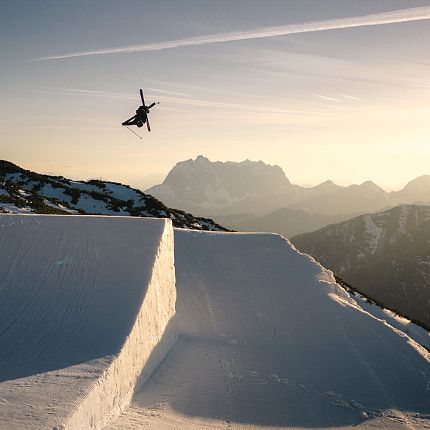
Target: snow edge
(152, 336)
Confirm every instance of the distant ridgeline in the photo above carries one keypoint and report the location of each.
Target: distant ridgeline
(24, 191)
(254, 188)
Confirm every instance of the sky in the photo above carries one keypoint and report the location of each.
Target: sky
(327, 89)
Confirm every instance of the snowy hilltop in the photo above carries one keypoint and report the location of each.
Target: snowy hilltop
(119, 323)
(385, 255)
(23, 191)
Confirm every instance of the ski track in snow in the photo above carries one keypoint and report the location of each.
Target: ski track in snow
(269, 342)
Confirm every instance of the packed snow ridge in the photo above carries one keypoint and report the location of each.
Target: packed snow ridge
(123, 323)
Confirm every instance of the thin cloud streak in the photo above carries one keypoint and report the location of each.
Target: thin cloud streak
(331, 99)
(392, 17)
(357, 99)
(200, 103)
(173, 93)
(82, 92)
(303, 114)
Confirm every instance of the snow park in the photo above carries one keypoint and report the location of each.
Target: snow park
(124, 323)
(215, 215)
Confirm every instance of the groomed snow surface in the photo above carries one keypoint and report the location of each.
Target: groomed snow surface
(262, 337)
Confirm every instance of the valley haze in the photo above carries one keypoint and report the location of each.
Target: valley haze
(254, 196)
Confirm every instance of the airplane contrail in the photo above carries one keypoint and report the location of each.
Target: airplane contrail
(391, 17)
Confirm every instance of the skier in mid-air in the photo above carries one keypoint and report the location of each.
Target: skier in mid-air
(141, 116)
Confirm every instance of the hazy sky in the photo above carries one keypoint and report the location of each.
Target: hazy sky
(346, 104)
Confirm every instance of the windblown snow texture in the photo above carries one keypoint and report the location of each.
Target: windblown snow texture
(84, 302)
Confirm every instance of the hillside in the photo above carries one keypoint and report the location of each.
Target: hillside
(89, 334)
(385, 255)
(24, 191)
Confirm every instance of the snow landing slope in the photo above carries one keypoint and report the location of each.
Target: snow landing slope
(270, 341)
(84, 303)
(267, 339)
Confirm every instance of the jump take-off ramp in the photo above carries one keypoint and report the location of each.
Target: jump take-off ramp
(95, 333)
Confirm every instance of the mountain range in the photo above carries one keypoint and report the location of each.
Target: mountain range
(24, 191)
(253, 187)
(385, 255)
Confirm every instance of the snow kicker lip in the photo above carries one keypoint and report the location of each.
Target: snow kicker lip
(86, 316)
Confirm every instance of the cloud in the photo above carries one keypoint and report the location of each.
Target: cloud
(168, 92)
(83, 92)
(391, 17)
(124, 96)
(347, 96)
(183, 104)
(332, 99)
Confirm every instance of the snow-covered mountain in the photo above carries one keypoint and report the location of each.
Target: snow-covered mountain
(23, 191)
(386, 255)
(204, 186)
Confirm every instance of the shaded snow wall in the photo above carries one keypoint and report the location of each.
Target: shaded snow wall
(152, 336)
